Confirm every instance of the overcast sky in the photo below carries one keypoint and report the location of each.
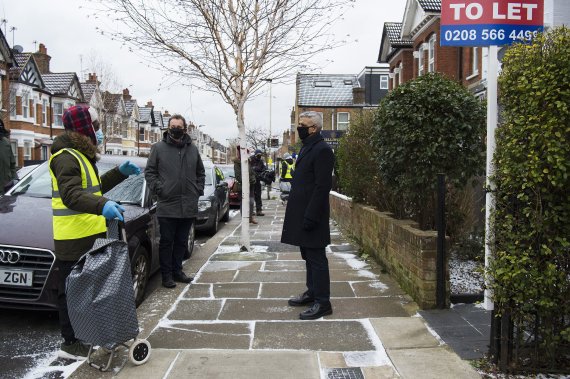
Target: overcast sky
(68, 33)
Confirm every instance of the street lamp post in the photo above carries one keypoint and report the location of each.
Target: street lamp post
(270, 81)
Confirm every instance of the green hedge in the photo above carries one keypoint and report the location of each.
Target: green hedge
(531, 222)
(427, 126)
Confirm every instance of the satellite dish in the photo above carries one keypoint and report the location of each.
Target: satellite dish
(18, 48)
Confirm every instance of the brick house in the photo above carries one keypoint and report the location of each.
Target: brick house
(29, 102)
(114, 122)
(7, 60)
(338, 97)
(411, 49)
(92, 96)
(147, 129)
(131, 143)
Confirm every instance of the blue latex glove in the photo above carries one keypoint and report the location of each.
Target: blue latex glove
(112, 210)
(129, 168)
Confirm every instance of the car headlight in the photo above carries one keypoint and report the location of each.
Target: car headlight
(204, 205)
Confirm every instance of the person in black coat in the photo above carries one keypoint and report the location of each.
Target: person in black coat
(306, 221)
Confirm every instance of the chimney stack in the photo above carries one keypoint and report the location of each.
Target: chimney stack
(42, 59)
(149, 104)
(126, 94)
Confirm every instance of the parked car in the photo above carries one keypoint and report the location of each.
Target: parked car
(26, 241)
(214, 205)
(230, 178)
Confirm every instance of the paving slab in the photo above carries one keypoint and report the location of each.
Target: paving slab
(202, 336)
(372, 307)
(232, 266)
(196, 310)
(403, 332)
(215, 277)
(432, 363)
(319, 335)
(270, 277)
(284, 266)
(255, 309)
(236, 290)
(384, 286)
(244, 256)
(156, 367)
(245, 365)
(198, 290)
(280, 291)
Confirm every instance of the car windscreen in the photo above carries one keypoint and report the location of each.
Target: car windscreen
(209, 176)
(38, 184)
(228, 171)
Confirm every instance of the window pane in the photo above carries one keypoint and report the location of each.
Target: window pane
(384, 82)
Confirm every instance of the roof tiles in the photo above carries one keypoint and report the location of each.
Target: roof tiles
(326, 90)
(430, 5)
(58, 83)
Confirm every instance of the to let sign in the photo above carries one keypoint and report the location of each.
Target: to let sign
(490, 22)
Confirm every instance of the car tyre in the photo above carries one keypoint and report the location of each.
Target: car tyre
(140, 269)
(214, 228)
(226, 216)
(191, 242)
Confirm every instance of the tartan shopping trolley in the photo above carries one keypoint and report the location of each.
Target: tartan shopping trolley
(101, 300)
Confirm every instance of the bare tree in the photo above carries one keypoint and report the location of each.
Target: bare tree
(109, 84)
(226, 46)
(256, 138)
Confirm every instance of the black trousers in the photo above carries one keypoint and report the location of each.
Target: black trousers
(318, 277)
(173, 244)
(62, 269)
(257, 195)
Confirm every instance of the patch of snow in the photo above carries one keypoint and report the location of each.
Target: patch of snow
(346, 256)
(465, 276)
(434, 333)
(381, 357)
(43, 368)
(378, 285)
(366, 358)
(367, 274)
(340, 196)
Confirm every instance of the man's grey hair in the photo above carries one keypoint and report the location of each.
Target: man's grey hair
(315, 117)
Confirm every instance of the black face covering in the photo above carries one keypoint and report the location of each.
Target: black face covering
(303, 132)
(176, 133)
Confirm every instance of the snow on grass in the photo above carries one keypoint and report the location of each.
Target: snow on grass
(465, 276)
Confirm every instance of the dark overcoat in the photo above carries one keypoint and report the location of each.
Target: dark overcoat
(309, 196)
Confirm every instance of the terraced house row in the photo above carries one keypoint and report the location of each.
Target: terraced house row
(34, 99)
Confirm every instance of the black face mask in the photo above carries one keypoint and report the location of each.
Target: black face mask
(176, 133)
(303, 132)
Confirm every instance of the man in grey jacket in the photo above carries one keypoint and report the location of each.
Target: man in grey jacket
(175, 173)
(7, 159)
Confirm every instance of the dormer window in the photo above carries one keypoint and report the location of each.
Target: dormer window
(322, 83)
(348, 82)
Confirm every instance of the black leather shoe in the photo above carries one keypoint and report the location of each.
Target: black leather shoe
(182, 278)
(168, 283)
(260, 213)
(302, 299)
(318, 310)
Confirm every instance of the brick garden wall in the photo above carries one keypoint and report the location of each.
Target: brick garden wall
(409, 254)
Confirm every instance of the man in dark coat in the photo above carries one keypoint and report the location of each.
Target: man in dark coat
(306, 221)
(175, 173)
(258, 166)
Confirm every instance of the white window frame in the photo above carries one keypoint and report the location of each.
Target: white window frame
(342, 125)
(44, 152)
(384, 82)
(420, 60)
(25, 104)
(57, 117)
(44, 112)
(431, 53)
(12, 103)
(475, 61)
(14, 146)
(27, 150)
(401, 73)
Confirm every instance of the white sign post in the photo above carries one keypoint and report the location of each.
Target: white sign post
(490, 23)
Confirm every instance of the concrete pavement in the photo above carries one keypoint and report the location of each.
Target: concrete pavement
(233, 320)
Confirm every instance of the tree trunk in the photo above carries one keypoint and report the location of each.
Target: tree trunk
(244, 235)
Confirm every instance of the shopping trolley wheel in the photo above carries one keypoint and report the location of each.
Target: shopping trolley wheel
(139, 352)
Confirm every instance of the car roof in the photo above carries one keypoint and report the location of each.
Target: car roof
(118, 159)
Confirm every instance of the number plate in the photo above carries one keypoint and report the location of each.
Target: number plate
(17, 277)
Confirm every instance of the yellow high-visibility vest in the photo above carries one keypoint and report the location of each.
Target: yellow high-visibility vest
(67, 223)
(290, 168)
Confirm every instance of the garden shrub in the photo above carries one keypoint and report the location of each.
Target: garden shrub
(427, 126)
(357, 169)
(531, 221)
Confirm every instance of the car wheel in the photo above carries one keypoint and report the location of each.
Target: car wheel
(214, 229)
(140, 268)
(191, 241)
(226, 216)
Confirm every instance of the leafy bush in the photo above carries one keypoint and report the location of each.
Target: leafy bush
(424, 127)
(531, 222)
(357, 168)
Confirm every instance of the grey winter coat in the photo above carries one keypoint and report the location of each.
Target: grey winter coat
(175, 173)
(7, 163)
